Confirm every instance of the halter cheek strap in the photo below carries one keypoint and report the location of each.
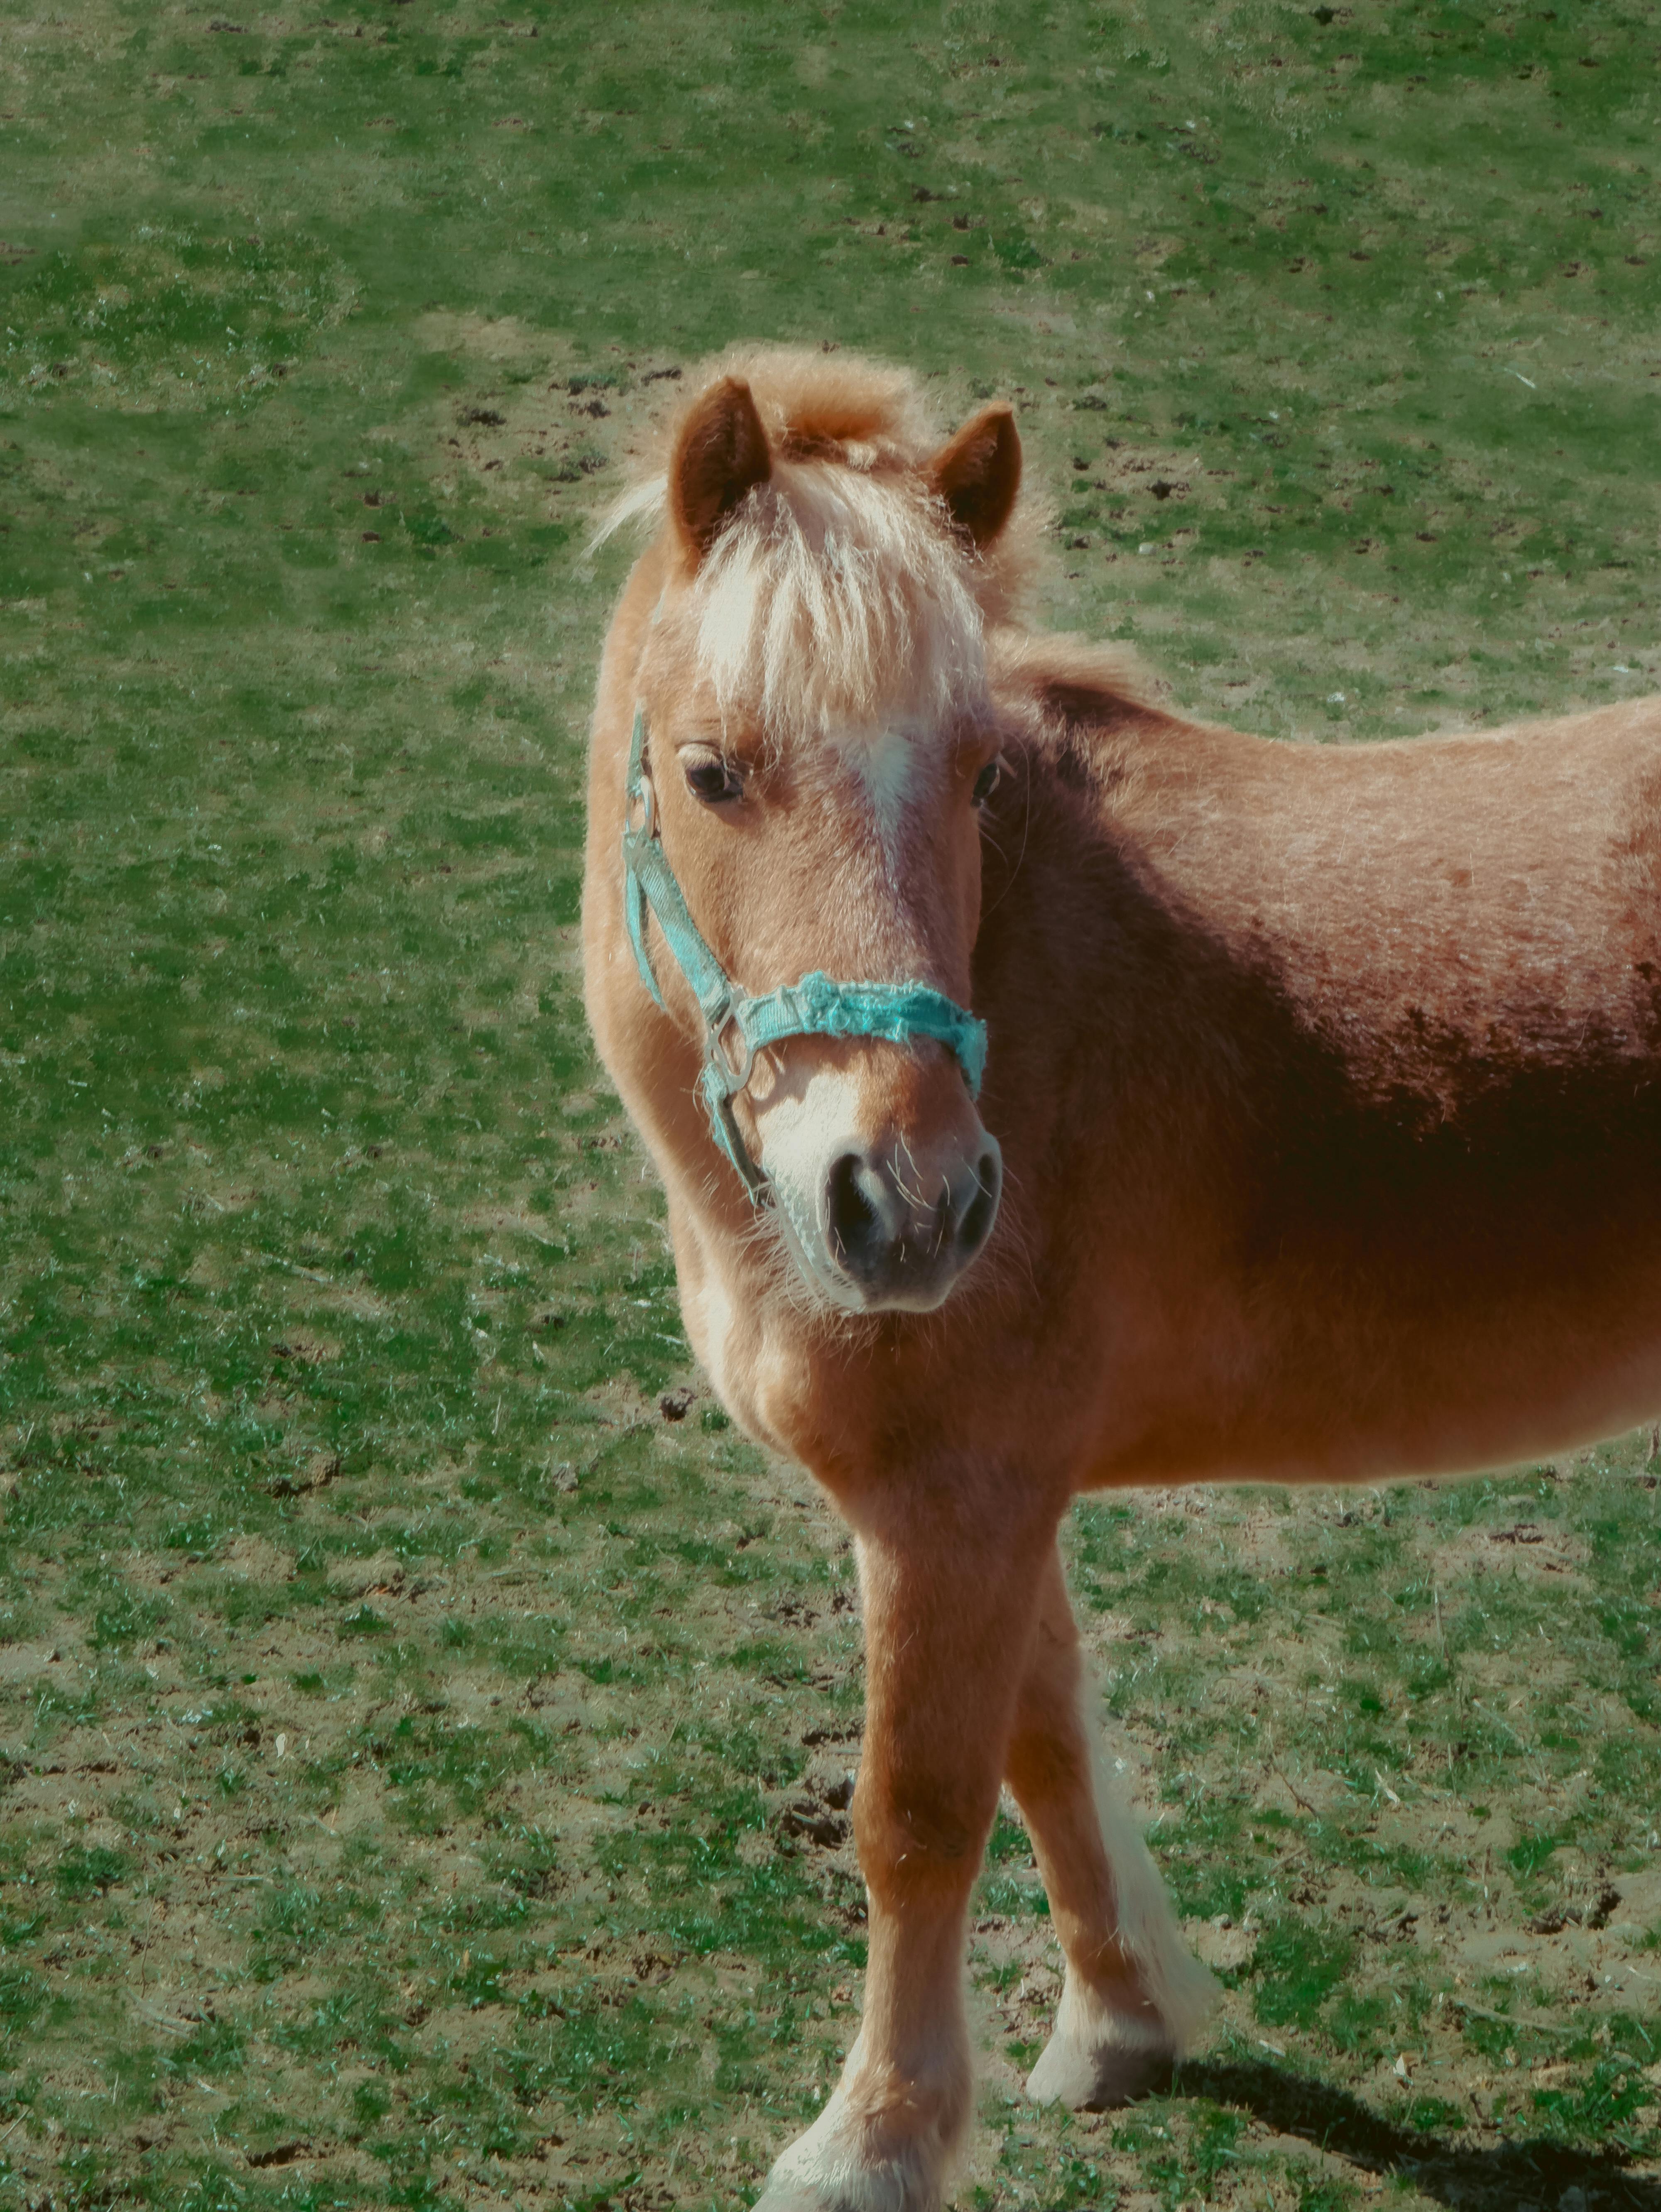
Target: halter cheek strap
(737, 1025)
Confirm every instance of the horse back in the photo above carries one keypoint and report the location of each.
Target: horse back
(1342, 1070)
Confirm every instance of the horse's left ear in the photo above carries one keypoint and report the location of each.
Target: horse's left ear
(719, 455)
(979, 473)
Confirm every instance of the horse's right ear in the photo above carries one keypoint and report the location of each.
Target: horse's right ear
(719, 456)
(979, 472)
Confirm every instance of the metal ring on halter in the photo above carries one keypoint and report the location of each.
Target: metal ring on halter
(728, 1019)
(649, 820)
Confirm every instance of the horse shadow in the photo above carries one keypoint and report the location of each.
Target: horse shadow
(1536, 2176)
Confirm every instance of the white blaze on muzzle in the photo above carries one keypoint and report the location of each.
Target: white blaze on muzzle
(878, 1221)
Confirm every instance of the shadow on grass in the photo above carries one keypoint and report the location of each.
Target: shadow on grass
(1509, 2177)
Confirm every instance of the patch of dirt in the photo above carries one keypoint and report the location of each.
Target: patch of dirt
(315, 1473)
(497, 338)
(255, 1559)
(382, 1575)
(304, 1348)
(1521, 1546)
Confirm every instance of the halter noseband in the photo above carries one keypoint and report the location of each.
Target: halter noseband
(736, 1025)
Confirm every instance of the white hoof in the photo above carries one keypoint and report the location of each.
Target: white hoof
(877, 2187)
(1099, 2058)
(843, 2181)
(1118, 2060)
(849, 2163)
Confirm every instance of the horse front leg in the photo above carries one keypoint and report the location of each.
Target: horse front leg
(949, 1612)
(1133, 1996)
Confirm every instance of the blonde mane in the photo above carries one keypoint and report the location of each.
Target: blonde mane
(838, 595)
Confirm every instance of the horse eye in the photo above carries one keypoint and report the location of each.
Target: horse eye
(713, 782)
(988, 781)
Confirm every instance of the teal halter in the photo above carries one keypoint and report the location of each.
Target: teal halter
(816, 1006)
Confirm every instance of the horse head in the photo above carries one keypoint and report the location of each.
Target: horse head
(813, 746)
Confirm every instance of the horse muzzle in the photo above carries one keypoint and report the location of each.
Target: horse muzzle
(883, 1179)
(899, 1231)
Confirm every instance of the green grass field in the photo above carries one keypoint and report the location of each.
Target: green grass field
(422, 1757)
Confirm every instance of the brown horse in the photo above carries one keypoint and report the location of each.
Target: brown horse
(1320, 1135)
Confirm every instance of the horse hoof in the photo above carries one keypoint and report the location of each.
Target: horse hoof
(1099, 2078)
(883, 2191)
(822, 2172)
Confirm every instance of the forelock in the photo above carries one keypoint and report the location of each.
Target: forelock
(837, 597)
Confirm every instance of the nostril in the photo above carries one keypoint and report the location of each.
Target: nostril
(982, 1209)
(854, 1221)
(883, 1229)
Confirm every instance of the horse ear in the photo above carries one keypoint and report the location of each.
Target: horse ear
(721, 453)
(979, 473)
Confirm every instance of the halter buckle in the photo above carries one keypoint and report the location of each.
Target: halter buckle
(735, 1074)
